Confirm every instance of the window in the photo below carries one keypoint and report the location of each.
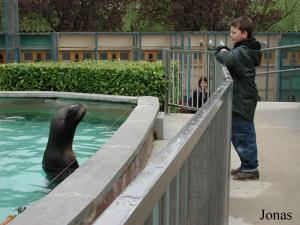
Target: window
(87, 55)
(124, 56)
(47, 56)
(35, 56)
(103, 56)
(159, 56)
(28, 56)
(113, 55)
(152, 56)
(66, 56)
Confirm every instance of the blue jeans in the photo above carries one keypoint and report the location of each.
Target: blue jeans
(244, 141)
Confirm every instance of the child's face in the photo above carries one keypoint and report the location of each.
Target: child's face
(237, 35)
(203, 85)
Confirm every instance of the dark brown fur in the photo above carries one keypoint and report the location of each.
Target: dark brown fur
(59, 155)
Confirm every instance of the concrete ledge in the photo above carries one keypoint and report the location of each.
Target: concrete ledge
(68, 95)
(91, 188)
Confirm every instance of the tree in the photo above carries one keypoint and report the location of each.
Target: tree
(153, 15)
(195, 15)
(290, 20)
(77, 15)
(148, 15)
(216, 14)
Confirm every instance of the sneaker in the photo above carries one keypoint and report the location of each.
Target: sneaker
(235, 171)
(246, 175)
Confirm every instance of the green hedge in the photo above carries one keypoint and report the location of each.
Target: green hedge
(111, 78)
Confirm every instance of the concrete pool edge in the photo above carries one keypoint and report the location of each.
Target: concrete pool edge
(91, 188)
(69, 95)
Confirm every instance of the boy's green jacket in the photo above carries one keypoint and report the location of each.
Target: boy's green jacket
(241, 62)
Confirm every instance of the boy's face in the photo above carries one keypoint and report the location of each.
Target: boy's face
(237, 35)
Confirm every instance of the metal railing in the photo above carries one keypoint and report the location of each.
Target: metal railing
(188, 182)
(278, 76)
(184, 70)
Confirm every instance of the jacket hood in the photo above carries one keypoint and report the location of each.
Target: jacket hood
(250, 43)
(255, 48)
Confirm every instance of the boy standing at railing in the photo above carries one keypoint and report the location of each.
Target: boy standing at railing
(241, 62)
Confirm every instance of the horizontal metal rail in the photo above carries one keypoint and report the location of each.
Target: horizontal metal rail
(280, 47)
(278, 71)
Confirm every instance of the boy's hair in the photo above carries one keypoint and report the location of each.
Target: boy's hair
(243, 23)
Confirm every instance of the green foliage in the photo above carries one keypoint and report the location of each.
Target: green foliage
(148, 16)
(110, 78)
(151, 15)
(290, 19)
(34, 23)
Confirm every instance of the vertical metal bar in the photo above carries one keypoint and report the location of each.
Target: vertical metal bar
(96, 47)
(280, 66)
(166, 61)
(161, 207)
(177, 198)
(182, 76)
(182, 195)
(173, 79)
(208, 65)
(269, 53)
(6, 48)
(198, 186)
(193, 79)
(155, 214)
(178, 85)
(187, 77)
(167, 204)
(173, 202)
(198, 77)
(228, 103)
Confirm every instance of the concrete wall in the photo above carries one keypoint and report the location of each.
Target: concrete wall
(156, 41)
(115, 42)
(72, 42)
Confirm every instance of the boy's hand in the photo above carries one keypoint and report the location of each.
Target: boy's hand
(222, 48)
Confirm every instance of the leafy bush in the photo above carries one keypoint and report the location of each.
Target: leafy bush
(111, 78)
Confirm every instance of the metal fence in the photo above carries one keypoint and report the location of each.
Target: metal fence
(278, 76)
(188, 182)
(10, 26)
(184, 71)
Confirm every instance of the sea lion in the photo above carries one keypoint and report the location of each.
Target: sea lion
(59, 158)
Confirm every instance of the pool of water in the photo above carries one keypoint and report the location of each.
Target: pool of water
(24, 130)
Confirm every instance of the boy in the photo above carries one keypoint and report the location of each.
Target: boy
(241, 62)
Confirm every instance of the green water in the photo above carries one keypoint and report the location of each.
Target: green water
(24, 129)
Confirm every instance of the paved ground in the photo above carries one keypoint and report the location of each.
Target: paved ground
(278, 190)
